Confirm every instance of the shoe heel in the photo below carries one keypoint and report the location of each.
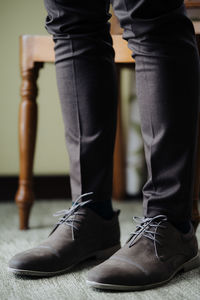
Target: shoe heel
(192, 264)
(106, 253)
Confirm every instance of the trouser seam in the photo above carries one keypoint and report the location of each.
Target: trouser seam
(77, 112)
(150, 146)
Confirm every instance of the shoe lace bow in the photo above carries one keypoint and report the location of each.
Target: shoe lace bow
(148, 227)
(68, 215)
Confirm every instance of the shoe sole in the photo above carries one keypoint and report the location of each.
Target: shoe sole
(99, 255)
(187, 266)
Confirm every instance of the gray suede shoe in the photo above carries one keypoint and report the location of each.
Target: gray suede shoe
(154, 253)
(78, 235)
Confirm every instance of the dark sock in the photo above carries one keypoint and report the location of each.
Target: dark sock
(183, 227)
(102, 208)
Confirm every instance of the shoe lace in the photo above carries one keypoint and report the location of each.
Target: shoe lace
(148, 227)
(68, 215)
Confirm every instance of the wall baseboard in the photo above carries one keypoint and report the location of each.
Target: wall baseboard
(45, 187)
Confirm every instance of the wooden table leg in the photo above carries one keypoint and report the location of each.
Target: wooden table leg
(27, 136)
(119, 180)
(195, 209)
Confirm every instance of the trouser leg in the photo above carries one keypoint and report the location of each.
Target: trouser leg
(86, 82)
(163, 42)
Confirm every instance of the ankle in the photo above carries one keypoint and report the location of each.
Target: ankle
(102, 208)
(184, 227)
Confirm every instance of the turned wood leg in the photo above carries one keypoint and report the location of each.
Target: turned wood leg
(119, 152)
(195, 210)
(27, 135)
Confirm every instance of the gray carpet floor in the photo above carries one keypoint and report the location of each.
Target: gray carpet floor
(72, 285)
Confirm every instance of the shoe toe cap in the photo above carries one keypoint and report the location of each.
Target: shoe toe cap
(115, 272)
(33, 260)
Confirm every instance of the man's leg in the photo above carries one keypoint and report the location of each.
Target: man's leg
(87, 86)
(167, 78)
(86, 82)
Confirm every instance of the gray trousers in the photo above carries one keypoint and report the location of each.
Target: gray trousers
(163, 42)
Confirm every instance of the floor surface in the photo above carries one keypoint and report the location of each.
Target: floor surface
(72, 285)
